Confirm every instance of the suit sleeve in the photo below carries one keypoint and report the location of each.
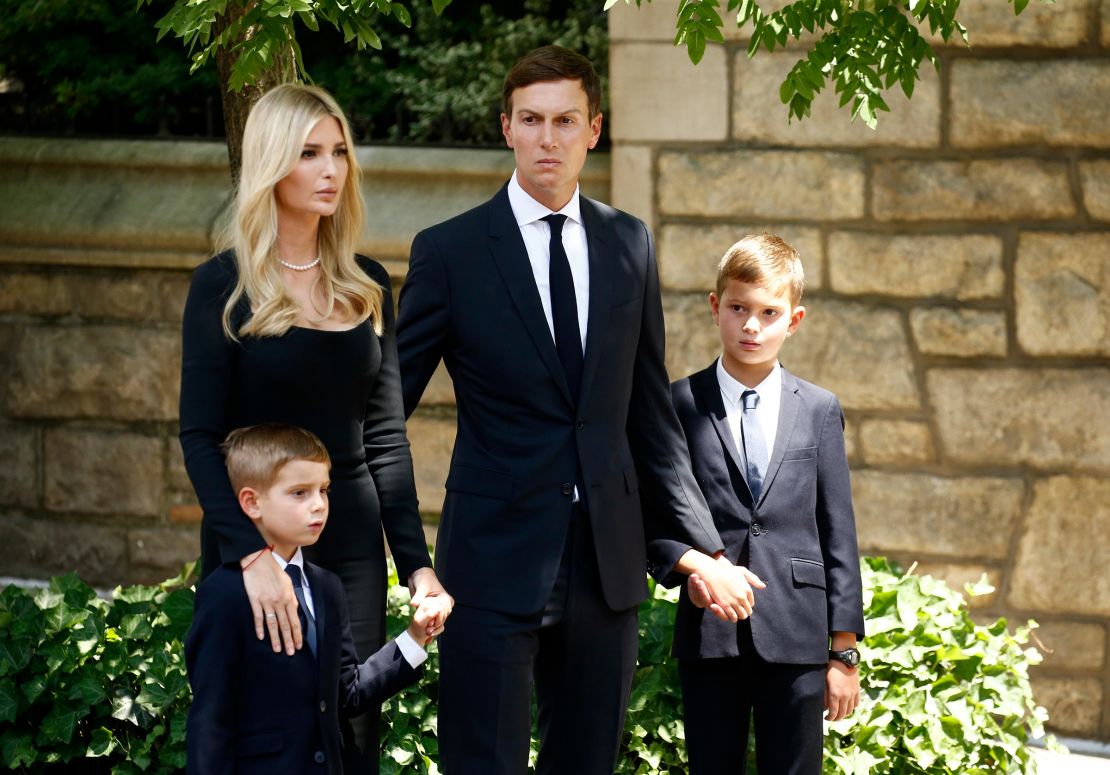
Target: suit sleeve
(836, 525)
(423, 323)
(367, 685)
(388, 455)
(658, 444)
(213, 656)
(207, 361)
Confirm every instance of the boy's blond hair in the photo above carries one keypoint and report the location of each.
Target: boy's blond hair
(766, 260)
(255, 455)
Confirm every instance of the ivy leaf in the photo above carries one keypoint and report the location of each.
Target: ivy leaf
(9, 701)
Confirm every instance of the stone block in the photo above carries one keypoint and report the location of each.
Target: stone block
(916, 265)
(969, 517)
(998, 103)
(652, 75)
(95, 472)
(633, 184)
(96, 371)
(177, 478)
(858, 352)
(1040, 25)
(432, 436)
(1105, 15)
(657, 20)
(1094, 177)
(1010, 189)
(1072, 645)
(964, 333)
(851, 444)
(1074, 705)
(1064, 549)
(147, 296)
(38, 548)
(957, 575)
(771, 185)
(1062, 293)
(159, 553)
(693, 340)
(894, 442)
(1048, 418)
(689, 253)
(758, 115)
(19, 466)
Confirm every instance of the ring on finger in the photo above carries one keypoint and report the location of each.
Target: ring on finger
(271, 615)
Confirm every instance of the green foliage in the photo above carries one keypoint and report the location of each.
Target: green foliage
(85, 678)
(255, 32)
(863, 46)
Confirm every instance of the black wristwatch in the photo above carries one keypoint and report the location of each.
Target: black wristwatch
(850, 657)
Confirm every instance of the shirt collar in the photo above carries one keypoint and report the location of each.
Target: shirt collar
(527, 210)
(297, 559)
(732, 389)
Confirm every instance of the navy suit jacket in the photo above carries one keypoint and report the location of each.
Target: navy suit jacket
(255, 711)
(800, 538)
(470, 299)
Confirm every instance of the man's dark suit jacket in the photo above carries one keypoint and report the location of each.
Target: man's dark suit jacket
(470, 299)
(800, 538)
(255, 711)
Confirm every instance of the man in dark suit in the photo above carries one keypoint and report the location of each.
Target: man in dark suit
(544, 305)
(259, 711)
(767, 449)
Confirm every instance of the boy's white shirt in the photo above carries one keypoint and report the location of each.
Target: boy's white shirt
(412, 651)
(767, 410)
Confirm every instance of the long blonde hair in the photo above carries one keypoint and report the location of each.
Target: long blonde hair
(276, 130)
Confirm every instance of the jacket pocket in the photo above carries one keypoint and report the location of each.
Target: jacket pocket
(256, 745)
(800, 453)
(808, 572)
(480, 481)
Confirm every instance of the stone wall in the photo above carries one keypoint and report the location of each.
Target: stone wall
(958, 263)
(97, 244)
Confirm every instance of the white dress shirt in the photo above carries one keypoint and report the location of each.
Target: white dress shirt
(766, 410)
(412, 651)
(537, 239)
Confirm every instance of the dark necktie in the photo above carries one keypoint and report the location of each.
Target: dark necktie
(308, 621)
(564, 308)
(755, 445)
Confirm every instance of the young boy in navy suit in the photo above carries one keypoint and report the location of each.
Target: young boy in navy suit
(768, 452)
(257, 711)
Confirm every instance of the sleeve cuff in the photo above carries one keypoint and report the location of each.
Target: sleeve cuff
(412, 651)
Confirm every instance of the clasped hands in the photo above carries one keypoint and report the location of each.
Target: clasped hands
(726, 590)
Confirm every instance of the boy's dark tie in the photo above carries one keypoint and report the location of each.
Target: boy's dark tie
(308, 621)
(755, 445)
(564, 308)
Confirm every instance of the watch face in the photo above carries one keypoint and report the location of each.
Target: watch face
(851, 657)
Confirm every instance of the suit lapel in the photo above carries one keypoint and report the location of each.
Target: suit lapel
(711, 393)
(599, 238)
(789, 408)
(511, 257)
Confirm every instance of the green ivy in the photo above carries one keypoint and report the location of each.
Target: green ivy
(98, 683)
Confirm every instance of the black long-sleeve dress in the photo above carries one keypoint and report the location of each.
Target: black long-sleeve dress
(344, 386)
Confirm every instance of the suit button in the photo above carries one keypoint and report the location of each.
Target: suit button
(579, 425)
(567, 488)
(318, 757)
(323, 706)
(757, 529)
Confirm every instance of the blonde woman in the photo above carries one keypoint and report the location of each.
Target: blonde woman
(289, 325)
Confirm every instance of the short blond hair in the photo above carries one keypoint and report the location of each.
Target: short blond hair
(256, 454)
(763, 259)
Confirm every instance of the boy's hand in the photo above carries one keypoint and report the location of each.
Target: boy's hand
(424, 628)
(841, 690)
(727, 590)
(270, 591)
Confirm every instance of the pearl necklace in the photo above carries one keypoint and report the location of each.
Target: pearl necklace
(299, 267)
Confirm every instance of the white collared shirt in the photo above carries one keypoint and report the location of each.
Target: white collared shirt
(412, 651)
(537, 240)
(767, 410)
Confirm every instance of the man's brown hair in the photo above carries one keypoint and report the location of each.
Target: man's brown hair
(256, 454)
(766, 260)
(552, 63)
